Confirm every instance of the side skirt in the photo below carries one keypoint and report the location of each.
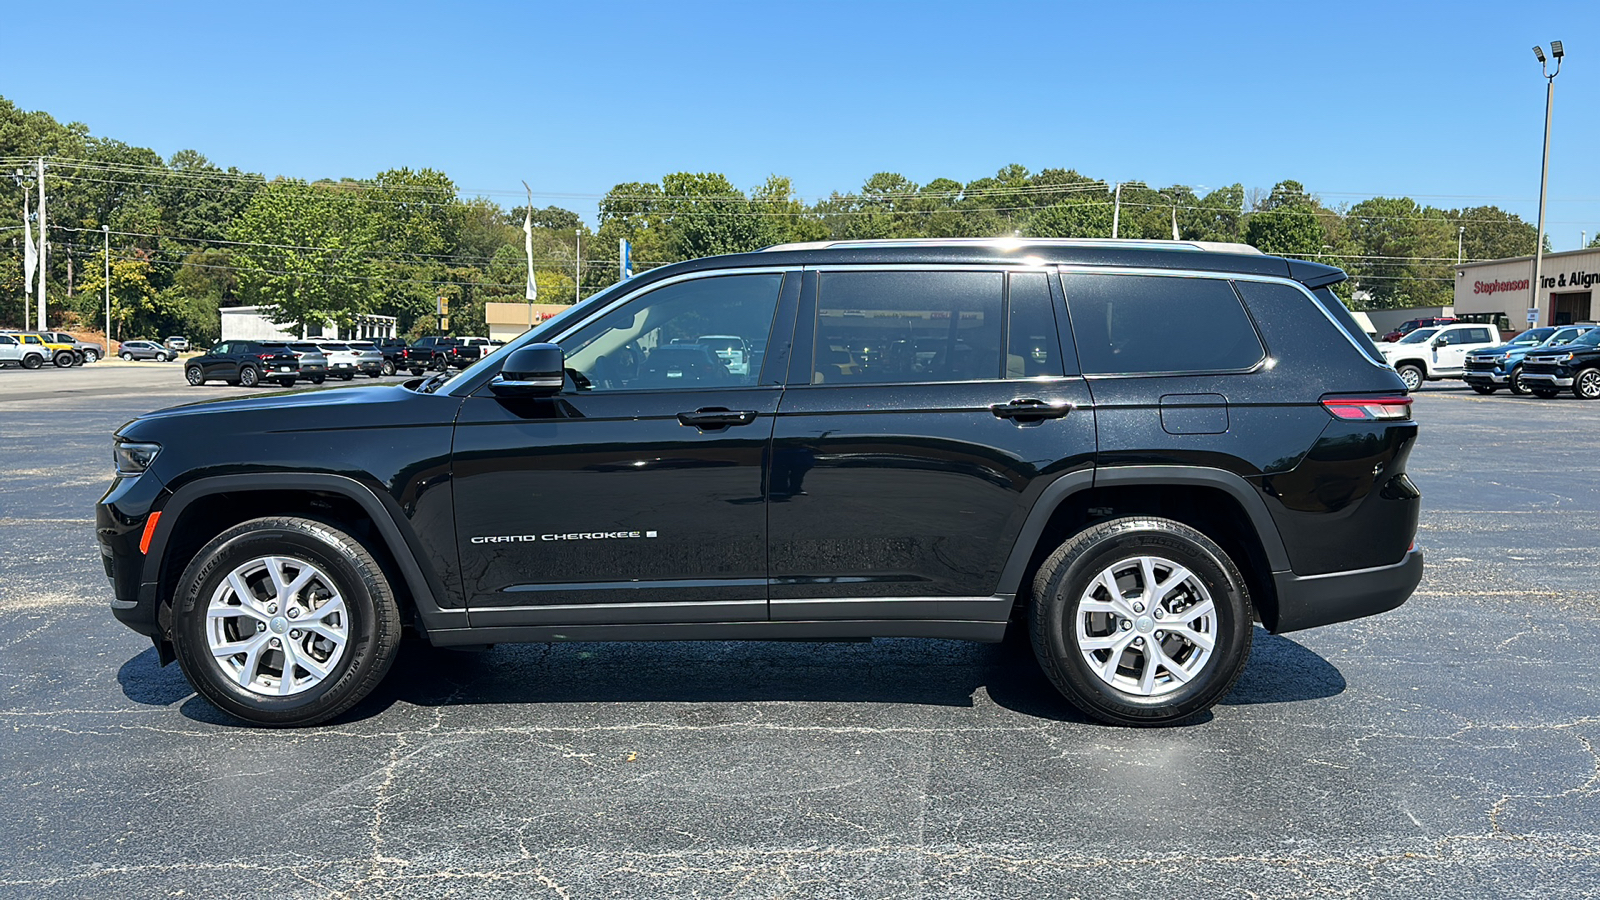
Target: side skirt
(987, 632)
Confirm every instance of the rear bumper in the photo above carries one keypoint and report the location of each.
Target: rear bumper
(1306, 601)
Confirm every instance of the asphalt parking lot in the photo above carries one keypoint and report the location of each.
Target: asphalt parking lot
(1450, 748)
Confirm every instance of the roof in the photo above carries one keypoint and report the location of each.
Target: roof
(1529, 258)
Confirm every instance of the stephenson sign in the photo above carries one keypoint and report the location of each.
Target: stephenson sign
(1496, 287)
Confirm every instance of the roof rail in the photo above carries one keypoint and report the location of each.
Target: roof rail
(1018, 242)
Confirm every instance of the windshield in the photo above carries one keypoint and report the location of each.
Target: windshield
(1533, 336)
(1418, 336)
(1590, 338)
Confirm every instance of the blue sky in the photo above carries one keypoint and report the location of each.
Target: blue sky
(1440, 102)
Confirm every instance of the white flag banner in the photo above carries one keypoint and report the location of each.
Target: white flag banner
(30, 258)
(1174, 223)
(532, 293)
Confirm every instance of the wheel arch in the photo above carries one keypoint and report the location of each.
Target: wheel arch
(201, 509)
(1219, 503)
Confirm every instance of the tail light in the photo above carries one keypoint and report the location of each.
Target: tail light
(1369, 409)
(265, 355)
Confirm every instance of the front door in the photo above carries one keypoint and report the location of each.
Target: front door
(926, 411)
(642, 483)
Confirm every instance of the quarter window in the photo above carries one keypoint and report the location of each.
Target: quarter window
(1143, 324)
(703, 333)
(907, 327)
(1032, 348)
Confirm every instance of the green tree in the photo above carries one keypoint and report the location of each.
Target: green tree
(305, 252)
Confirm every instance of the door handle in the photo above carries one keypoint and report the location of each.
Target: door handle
(717, 417)
(1032, 409)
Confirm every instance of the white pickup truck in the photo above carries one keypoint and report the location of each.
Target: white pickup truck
(15, 353)
(1437, 351)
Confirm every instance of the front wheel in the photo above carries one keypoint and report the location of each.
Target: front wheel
(1141, 621)
(196, 376)
(91, 356)
(1514, 382)
(64, 359)
(249, 377)
(1546, 393)
(1484, 388)
(1412, 376)
(1587, 385)
(285, 622)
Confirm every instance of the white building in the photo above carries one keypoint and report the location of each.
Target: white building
(249, 323)
(1506, 286)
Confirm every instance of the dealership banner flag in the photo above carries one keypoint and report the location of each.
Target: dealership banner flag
(30, 260)
(532, 292)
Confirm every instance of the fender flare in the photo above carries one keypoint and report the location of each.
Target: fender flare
(396, 533)
(1066, 486)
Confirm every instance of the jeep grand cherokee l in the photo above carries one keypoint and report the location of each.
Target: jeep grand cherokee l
(1012, 443)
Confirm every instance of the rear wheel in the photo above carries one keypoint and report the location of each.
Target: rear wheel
(1484, 388)
(318, 379)
(416, 372)
(388, 367)
(286, 382)
(249, 376)
(285, 622)
(196, 375)
(127, 356)
(32, 361)
(1545, 393)
(1141, 621)
(1412, 376)
(1587, 385)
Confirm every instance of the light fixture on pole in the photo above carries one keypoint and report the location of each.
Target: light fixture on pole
(1556, 52)
(1461, 232)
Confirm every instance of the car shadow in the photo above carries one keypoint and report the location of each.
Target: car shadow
(890, 671)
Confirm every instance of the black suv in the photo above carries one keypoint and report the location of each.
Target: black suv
(1575, 366)
(1131, 450)
(448, 352)
(245, 362)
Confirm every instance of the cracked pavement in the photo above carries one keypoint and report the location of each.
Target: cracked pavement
(1449, 748)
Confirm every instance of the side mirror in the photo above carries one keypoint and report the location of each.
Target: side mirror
(1438, 342)
(536, 370)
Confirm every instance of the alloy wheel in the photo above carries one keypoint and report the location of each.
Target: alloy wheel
(1146, 626)
(277, 626)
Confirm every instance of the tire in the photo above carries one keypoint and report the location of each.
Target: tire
(318, 379)
(287, 382)
(64, 359)
(374, 374)
(388, 367)
(195, 375)
(91, 356)
(416, 372)
(128, 357)
(1587, 385)
(1484, 389)
(1514, 383)
(336, 665)
(346, 376)
(1135, 551)
(249, 376)
(1412, 376)
(32, 361)
(1545, 393)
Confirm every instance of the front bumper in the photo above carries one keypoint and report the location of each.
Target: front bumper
(1306, 601)
(1542, 378)
(120, 519)
(1485, 376)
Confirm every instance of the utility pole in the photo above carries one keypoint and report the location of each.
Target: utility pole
(106, 230)
(1461, 232)
(577, 263)
(1116, 211)
(42, 244)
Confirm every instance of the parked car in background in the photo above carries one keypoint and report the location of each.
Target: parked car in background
(449, 352)
(90, 352)
(1493, 368)
(313, 362)
(397, 355)
(369, 359)
(244, 362)
(14, 353)
(135, 350)
(1411, 325)
(62, 353)
(177, 342)
(1575, 365)
(1436, 352)
(732, 349)
(346, 363)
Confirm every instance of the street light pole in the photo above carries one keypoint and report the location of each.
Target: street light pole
(1461, 232)
(577, 263)
(1557, 52)
(106, 230)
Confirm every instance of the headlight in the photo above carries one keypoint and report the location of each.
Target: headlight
(1565, 357)
(133, 459)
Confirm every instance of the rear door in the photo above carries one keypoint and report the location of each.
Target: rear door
(926, 410)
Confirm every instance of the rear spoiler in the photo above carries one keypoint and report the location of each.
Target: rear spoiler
(1315, 275)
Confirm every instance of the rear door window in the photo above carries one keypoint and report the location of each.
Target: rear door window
(1157, 324)
(907, 327)
(1033, 349)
